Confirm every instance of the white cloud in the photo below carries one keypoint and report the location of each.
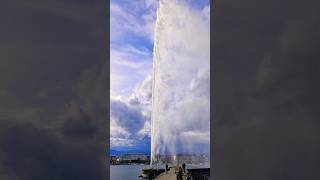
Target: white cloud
(129, 66)
(127, 18)
(130, 115)
(132, 30)
(121, 142)
(130, 57)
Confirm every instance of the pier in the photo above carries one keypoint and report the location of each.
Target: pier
(172, 174)
(169, 175)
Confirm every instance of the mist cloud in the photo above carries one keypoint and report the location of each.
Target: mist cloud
(181, 87)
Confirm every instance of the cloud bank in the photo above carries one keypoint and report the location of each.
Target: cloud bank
(267, 69)
(130, 117)
(131, 31)
(53, 90)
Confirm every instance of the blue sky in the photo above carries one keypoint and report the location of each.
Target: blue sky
(131, 52)
(132, 26)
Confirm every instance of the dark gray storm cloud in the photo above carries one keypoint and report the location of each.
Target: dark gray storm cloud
(53, 89)
(266, 90)
(31, 153)
(127, 116)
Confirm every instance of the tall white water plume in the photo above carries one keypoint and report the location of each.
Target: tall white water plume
(181, 82)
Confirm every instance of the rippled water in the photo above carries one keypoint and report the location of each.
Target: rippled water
(126, 172)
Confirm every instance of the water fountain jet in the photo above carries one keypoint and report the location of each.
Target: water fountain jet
(181, 85)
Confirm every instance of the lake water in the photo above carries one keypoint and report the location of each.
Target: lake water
(126, 172)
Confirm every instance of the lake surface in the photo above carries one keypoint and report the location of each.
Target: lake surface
(126, 172)
(132, 172)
